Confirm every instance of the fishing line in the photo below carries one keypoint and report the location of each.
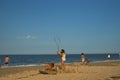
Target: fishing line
(57, 41)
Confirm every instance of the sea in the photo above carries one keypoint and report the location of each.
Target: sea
(42, 59)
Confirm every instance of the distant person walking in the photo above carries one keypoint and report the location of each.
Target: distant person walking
(6, 60)
(62, 54)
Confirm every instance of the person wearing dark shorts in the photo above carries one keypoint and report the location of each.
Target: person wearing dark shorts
(7, 60)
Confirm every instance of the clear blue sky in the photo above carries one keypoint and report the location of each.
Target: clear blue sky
(89, 26)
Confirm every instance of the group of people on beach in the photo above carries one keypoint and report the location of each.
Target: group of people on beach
(50, 66)
(62, 54)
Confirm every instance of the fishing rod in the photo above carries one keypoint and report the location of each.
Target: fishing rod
(57, 41)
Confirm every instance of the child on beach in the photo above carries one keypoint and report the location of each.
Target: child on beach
(49, 69)
(83, 58)
(62, 54)
(7, 60)
(50, 66)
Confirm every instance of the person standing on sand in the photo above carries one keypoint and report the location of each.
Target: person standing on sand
(83, 58)
(62, 54)
(7, 60)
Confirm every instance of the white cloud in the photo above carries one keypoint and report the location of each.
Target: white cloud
(30, 37)
(27, 37)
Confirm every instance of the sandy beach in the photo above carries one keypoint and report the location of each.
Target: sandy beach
(75, 71)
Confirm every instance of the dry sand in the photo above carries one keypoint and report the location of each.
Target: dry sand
(75, 71)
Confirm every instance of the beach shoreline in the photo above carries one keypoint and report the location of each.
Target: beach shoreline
(98, 71)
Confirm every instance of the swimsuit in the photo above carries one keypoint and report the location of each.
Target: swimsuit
(64, 57)
(6, 62)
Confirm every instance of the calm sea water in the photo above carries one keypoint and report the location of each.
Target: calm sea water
(32, 60)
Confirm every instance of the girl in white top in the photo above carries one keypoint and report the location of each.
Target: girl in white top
(82, 58)
(62, 54)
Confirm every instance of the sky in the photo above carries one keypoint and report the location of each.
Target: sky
(34, 26)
